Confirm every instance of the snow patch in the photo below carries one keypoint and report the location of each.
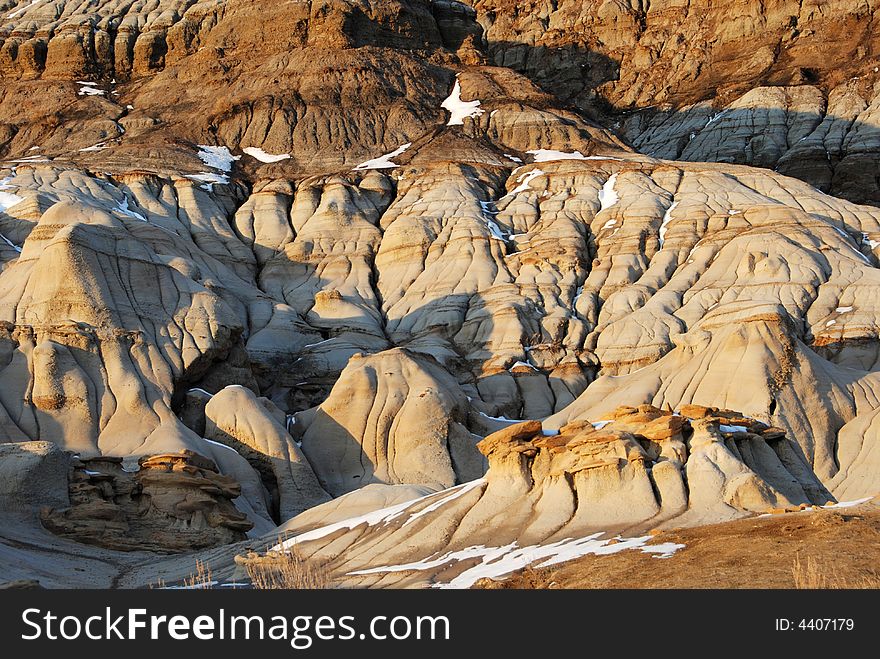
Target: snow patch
(262, 156)
(8, 200)
(724, 428)
(208, 179)
(384, 162)
(520, 363)
(100, 146)
(88, 89)
(848, 504)
(458, 109)
(370, 519)
(608, 195)
(843, 309)
(546, 155)
(217, 157)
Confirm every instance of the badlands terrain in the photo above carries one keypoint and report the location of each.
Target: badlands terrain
(433, 293)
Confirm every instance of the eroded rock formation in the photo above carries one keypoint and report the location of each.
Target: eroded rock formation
(166, 503)
(320, 252)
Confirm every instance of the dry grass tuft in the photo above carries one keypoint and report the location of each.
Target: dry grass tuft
(810, 574)
(285, 569)
(202, 578)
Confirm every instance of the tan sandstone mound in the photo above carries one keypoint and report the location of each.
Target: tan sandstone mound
(392, 418)
(255, 429)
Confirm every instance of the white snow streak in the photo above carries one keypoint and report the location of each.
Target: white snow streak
(667, 218)
(21, 10)
(262, 156)
(454, 493)
(501, 561)
(384, 162)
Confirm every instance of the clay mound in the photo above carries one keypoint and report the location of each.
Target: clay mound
(391, 418)
(255, 429)
(548, 495)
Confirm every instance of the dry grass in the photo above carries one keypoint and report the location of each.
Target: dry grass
(811, 574)
(285, 569)
(202, 578)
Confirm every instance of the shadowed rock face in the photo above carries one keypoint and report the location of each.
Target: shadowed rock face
(326, 250)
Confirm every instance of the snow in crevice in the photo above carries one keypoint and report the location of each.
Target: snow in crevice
(667, 218)
(124, 208)
(312, 345)
(100, 146)
(7, 201)
(873, 244)
(262, 156)
(608, 195)
(458, 109)
(524, 181)
(715, 117)
(502, 418)
(202, 391)
(10, 243)
(488, 208)
(847, 239)
(726, 428)
(384, 162)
